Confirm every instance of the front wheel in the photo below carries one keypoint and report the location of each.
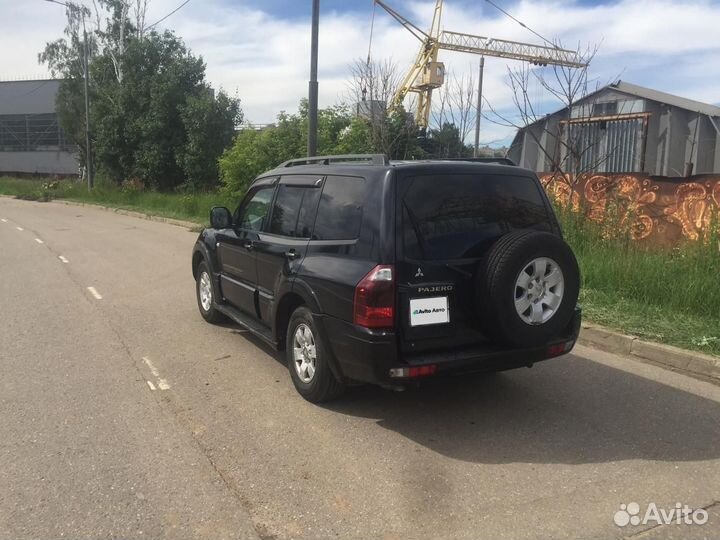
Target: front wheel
(307, 359)
(206, 295)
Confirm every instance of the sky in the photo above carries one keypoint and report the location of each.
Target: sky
(259, 49)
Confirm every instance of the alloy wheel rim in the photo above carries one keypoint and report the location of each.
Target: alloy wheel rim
(304, 353)
(205, 289)
(539, 290)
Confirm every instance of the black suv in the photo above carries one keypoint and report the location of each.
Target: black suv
(365, 270)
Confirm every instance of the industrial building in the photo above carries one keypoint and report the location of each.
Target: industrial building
(624, 128)
(31, 139)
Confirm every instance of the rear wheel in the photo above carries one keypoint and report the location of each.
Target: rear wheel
(528, 288)
(307, 359)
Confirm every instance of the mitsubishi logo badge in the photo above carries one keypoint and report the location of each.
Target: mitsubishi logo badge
(419, 273)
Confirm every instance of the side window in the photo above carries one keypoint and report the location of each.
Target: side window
(253, 212)
(294, 211)
(285, 210)
(308, 211)
(340, 210)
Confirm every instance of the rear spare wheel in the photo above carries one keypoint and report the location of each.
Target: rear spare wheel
(527, 288)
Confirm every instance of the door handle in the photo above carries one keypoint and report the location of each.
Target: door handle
(292, 255)
(248, 244)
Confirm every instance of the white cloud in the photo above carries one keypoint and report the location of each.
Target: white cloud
(668, 45)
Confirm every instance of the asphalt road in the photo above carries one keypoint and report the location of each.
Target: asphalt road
(124, 415)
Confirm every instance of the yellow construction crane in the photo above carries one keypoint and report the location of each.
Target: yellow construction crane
(427, 73)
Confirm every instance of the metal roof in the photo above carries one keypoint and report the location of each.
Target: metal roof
(662, 97)
(28, 97)
(637, 91)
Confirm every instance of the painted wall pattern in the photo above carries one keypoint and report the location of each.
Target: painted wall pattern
(657, 210)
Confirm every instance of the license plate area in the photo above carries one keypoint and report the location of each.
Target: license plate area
(429, 311)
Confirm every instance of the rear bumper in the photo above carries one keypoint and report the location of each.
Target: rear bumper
(363, 355)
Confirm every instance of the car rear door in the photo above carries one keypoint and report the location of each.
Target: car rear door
(446, 223)
(281, 247)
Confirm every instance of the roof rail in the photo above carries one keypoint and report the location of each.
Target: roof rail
(369, 159)
(499, 160)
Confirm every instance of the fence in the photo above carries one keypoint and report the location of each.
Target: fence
(660, 211)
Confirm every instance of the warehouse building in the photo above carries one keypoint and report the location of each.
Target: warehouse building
(31, 139)
(624, 128)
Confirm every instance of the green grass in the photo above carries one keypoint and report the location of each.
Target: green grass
(670, 296)
(190, 207)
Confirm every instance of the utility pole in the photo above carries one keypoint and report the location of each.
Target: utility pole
(86, 76)
(88, 153)
(313, 86)
(476, 153)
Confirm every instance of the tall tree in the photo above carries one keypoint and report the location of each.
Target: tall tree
(154, 116)
(372, 86)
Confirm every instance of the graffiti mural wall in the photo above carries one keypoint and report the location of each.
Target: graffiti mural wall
(656, 210)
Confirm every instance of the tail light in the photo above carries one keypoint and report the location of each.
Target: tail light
(413, 372)
(374, 303)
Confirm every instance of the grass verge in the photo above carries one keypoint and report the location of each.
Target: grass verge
(665, 296)
(190, 207)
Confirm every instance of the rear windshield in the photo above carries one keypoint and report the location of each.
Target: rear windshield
(459, 216)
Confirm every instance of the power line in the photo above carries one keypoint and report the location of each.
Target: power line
(372, 27)
(169, 14)
(493, 4)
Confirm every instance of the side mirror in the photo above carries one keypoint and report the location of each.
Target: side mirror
(220, 218)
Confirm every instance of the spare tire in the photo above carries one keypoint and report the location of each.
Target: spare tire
(527, 288)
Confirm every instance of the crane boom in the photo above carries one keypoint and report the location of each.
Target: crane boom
(515, 50)
(426, 73)
(414, 30)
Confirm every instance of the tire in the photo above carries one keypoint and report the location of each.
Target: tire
(207, 308)
(312, 377)
(527, 289)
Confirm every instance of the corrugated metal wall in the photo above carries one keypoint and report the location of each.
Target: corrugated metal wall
(607, 145)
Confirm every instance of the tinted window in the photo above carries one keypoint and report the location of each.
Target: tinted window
(253, 211)
(286, 209)
(294, 211)
(308, 210)
(460, 216)
(339, 214)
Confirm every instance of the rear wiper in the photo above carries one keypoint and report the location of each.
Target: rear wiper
(449, 266)
(458, 270)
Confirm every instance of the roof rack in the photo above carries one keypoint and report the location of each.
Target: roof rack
(499, 160)
(369, 159)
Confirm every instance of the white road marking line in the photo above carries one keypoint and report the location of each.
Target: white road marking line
(63, 259)
(20, 229)
(161, 383)
(94, 292)
(151, 385)
(149, 364)
(4, 220)
(39, 241)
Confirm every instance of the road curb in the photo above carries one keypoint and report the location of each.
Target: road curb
(663, 355)
(133, 213)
